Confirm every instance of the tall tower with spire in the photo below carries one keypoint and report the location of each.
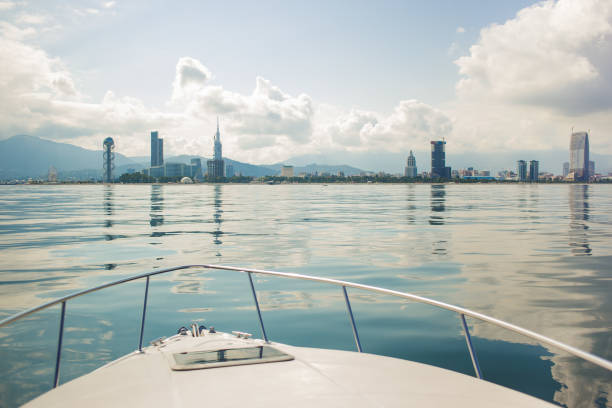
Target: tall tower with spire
(217, 140)
(216, 166)
(410, 170)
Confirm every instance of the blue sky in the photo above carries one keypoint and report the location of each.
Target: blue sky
(352, 53)
(294, 78)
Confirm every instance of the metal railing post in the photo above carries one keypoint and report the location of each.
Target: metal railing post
(263, 329)
(144, 313)
(58, 356)
(468, 340)
(350, 312)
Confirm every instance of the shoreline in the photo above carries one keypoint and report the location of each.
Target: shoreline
(323, 183)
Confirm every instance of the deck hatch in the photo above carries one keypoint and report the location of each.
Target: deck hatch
(196, 360)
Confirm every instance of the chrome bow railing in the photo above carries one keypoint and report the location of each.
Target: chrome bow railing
(462, 312)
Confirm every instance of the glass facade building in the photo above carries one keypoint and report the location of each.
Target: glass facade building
(534, 170)
(157, 150)
(522, 170)
(438, 160)
(579, 156)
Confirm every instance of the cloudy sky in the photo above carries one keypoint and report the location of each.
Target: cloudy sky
(295, 78)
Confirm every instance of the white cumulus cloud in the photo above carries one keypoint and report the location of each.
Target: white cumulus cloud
(190, 77)
(527, 82)
(412, 124)
(38, 96)
(266, 117)
(556, 54)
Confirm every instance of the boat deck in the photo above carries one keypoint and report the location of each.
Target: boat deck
(314, 378)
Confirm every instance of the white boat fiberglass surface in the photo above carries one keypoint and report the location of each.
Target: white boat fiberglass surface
(199, 365)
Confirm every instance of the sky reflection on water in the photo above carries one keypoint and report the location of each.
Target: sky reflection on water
(535, 255)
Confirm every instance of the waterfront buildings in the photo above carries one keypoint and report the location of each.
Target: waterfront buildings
(287, 171)
(438, 160)
(506, 175)
(410, 170)
(579, 156)
(531, 173)
(566, 167)
(215, 167)
(157, 149)
(176, 170)
(159, 169)
(522, 170)
(108, 157)
(534, 170)
(471, 172)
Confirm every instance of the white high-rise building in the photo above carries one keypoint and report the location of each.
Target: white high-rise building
(410, 170)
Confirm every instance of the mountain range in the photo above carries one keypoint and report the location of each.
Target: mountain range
(394, 162)
(24, 156)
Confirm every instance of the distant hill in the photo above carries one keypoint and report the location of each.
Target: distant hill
(313, 168)
(245, 169)
(550, 160)
(25, 156)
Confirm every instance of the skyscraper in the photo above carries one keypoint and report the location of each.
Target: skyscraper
(579, 156)
(522, 170)
(157, 149)
(438, 160)
(534, 170)
(565, 169)
(215, 167)
(410, 170)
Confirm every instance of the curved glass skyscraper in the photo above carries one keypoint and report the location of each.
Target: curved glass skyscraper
(579, 156)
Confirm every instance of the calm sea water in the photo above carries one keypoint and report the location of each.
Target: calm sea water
(539, 256)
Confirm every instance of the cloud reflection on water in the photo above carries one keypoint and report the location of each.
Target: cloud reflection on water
(514, 252)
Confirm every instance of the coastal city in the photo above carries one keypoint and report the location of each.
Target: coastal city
(194, 169)
(325, 204)
(578, 169)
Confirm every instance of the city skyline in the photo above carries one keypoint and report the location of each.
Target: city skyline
(489, 77)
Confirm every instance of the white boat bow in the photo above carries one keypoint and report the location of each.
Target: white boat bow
(200, 366)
